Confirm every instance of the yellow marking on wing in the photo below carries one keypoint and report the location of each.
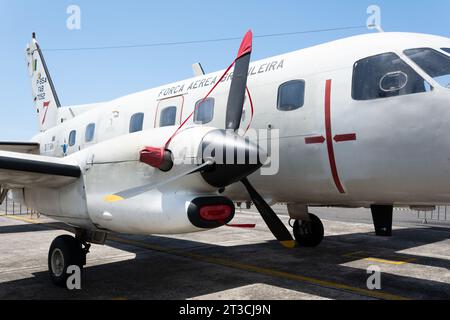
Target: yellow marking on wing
(113, 198)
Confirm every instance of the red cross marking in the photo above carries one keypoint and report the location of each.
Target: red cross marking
(329, 138)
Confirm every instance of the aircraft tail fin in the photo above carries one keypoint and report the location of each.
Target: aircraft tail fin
(45, 98)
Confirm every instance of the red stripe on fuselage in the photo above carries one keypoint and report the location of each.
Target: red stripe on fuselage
(329, 139)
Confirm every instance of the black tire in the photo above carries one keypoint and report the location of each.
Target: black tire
(70, 250)
(309, 233)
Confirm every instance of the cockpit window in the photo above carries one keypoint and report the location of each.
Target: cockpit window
(433, 62)
(383, 76)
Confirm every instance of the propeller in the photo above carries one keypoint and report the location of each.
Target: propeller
(274, 223)
(236, 97)
(224, 175)
(134, 192)
(221, 146)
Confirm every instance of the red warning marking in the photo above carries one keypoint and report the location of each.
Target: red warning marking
(315, 140)
(243, 226)
(345, 137)
(329, 134)
(329, 139)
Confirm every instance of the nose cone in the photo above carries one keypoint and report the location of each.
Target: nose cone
(235, 157)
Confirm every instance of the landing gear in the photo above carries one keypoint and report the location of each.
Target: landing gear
(64, 252)
(309, 233)
(382, 220)
(67, 251)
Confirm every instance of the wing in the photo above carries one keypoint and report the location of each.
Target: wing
(20, 147)
(18, 170)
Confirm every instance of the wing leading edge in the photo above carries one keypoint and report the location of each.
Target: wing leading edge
(19, 170)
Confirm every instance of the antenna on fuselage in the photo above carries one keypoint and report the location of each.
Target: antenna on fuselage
(198, 69)
(375, 27)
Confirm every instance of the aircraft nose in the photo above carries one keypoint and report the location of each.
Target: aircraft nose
(234, 157)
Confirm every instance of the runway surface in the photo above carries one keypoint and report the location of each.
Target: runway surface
(230, 263)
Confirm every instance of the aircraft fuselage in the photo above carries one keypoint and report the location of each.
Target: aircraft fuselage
(337, 149)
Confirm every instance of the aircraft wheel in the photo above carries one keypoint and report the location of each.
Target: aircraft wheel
(309, 233)
(64, 252)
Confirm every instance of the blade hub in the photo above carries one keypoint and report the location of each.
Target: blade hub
(235, 157)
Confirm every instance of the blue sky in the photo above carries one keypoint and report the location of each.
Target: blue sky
(93, 76)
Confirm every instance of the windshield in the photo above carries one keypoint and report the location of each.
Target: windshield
(385, 76)
(433, 62)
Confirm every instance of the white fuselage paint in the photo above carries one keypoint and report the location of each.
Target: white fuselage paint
(401, 155)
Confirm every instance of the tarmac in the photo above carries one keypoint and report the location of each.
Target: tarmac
(238, 264)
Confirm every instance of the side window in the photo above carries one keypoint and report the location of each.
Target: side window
(204, 112)
(72, 138)
(291, 95)
(90, 132)
(446, 50)
(384, 76)
(136, 122)
(168, 117)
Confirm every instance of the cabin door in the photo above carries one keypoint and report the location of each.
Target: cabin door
(169, 112)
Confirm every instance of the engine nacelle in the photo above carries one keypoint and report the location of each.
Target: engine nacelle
(163, 213)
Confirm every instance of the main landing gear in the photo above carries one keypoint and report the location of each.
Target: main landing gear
(66, 251)
(308, 228)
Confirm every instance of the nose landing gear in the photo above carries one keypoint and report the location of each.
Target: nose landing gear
(308, 228)
(308, 233)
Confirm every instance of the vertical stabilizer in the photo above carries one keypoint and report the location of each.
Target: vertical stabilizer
(45, 99)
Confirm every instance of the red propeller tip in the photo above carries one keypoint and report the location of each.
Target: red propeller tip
(246, 45)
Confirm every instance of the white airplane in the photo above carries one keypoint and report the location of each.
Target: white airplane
(361, 122)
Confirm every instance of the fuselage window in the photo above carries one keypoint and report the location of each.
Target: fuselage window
(168, 117)
(204, 111)
(90, 132)
(136, 122)
(72, 138)
(384, 76)
(291, 95)
(435, 63)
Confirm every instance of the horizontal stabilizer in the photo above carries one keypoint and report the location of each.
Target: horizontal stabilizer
(20, 147)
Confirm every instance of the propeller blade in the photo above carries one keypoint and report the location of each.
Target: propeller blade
(274, 223)
(238, 87)
(134, 192)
